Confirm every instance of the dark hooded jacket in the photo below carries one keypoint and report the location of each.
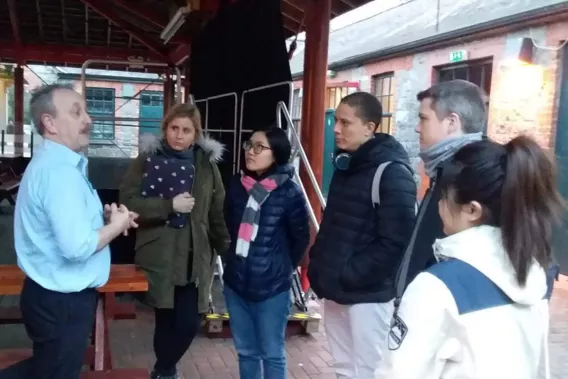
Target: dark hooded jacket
(281, 241)
(359, 246)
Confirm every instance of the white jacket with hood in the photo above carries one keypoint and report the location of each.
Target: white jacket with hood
(467, 317)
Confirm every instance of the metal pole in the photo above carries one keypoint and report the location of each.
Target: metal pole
(281, 109)
(234, 131)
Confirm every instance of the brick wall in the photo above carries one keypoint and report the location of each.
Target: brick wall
(125, 143)
(523, 99)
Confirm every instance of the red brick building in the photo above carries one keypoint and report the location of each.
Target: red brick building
(401, 51)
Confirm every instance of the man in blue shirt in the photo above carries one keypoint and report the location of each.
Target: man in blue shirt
(61, 235)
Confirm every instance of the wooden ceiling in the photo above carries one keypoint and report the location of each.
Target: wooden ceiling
(68, 32)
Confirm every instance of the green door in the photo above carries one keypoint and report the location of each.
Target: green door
(561, 236)
(328, 151)
(151, 110)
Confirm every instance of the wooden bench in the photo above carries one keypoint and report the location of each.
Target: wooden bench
(7, 190)
(123, 278)
(126, 277)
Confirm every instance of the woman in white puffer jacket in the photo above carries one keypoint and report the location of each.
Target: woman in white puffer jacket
(482, 311)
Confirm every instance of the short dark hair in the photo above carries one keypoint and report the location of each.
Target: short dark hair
(516, 187)
(279, 144)
(461, 97)
(367, 107)
(41, 103)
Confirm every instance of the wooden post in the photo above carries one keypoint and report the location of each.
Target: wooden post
(315, 78)
(169, 88)
(317, 16)
(19, 110)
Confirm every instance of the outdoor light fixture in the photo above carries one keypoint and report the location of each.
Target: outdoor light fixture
(175, 24)
(526, 50)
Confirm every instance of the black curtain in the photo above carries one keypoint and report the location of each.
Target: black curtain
(242, 48)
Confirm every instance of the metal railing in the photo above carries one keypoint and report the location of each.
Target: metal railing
(18, 144)
(234, 130)
(282, 110)
(290, 85)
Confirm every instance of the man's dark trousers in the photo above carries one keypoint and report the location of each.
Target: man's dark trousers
(59, 325)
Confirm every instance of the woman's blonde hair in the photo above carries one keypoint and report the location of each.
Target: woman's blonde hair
(184, 111)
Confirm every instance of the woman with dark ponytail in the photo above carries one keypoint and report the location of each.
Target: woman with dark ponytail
(482, 311)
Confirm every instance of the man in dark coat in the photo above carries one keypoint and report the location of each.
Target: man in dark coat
(358, 249)
(452, 114)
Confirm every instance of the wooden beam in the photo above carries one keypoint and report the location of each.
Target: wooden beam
(68, 54)
(101, 7)
(179, 55)
(350, 3)
(14, 21)
(291, 25)
(39, 21)
(292, 13)
(301, 5)
(340, 6)
(145, 14)
(313, 103)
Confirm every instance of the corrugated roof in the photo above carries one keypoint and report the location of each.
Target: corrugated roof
(413, 21)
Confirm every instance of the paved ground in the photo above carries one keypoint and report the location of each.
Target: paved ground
(308, 356)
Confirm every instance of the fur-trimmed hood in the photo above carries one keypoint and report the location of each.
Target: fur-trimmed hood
(150, 143)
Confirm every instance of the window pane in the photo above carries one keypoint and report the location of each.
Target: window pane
(386, 86)
(475, 75)
(446, 75)
(378, 86)
(385, 101)
(385, 125)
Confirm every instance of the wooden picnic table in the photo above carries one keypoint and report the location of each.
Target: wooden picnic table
(123, 278)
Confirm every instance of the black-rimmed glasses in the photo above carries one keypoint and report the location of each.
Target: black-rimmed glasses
(257, 147)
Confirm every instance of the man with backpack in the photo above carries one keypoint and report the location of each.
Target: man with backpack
(366, 225)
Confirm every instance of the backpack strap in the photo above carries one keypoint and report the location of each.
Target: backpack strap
(375, 188)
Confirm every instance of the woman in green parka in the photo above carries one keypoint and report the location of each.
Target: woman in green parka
(175, 186)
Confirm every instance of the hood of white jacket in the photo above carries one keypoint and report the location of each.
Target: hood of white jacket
(150, 143)
(482, 248)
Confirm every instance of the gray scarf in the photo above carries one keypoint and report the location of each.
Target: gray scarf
(435, 155)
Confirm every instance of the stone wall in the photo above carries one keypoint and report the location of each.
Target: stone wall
(523, 99)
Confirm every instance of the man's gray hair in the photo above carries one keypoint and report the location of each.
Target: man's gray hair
(41, 103)
(462, 98)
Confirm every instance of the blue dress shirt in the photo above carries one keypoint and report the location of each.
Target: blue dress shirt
(56, 221)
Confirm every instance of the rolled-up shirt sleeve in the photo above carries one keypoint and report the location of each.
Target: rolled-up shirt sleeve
(66, 208)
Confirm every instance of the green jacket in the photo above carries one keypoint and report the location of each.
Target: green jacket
(163, 252)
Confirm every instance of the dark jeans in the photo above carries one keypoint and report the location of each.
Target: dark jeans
(59, 325)
(258, 330)
(175, 329)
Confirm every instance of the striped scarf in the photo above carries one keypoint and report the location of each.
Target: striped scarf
(258, 193)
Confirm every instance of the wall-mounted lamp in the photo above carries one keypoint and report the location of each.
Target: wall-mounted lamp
(331, 74)
(526, 50)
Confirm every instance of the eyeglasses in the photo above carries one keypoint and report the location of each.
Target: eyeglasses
(257, 148)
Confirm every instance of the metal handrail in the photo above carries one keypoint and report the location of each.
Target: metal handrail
(282, 109)
(206, 128)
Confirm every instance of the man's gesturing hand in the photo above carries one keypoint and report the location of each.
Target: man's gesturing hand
(120, 216)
